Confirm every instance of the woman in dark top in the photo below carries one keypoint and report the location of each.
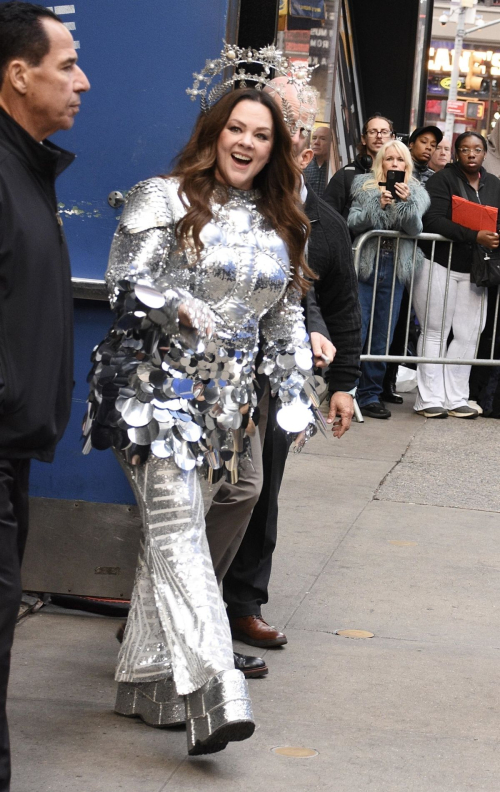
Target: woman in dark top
(444, 389)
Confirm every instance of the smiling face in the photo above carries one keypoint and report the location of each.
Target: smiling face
(393, 161)
(245, 144)
(423, 147)
(52, 89)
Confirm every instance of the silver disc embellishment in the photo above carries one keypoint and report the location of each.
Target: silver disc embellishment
(137, 413)
(149, 296)
(189, 431)
(184, 457)
(163, 417)
(172, 404)
(144, 435)
(161, 449)
(228, 400)
(183, 388)
(232, 420)
(294, 417)
(285, 361)
(303, 358)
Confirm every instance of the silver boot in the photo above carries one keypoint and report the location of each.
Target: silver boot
(218, 713)
(157, 703)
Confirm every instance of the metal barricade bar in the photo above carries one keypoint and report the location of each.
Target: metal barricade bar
(89, 289)
(445, 320)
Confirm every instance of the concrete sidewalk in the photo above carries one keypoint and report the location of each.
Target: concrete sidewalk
(395, 530)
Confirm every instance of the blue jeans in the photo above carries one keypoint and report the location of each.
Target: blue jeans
(372, 373)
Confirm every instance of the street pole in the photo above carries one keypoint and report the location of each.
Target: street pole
(455, 72)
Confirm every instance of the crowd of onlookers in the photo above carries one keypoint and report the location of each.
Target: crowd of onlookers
(391, 186)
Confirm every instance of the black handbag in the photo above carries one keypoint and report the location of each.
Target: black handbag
(485, 268)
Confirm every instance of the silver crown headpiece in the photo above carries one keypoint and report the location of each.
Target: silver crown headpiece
(273, 64)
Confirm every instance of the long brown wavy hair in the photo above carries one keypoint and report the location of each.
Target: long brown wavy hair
(277, 182)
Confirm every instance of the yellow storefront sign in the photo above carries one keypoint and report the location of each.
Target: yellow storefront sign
(446, 83)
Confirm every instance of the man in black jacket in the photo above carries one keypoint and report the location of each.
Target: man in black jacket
(40, 87)
(245, 583)
(376, 131)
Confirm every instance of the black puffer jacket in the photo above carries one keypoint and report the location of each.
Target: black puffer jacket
(36, 306)
(338, 191)
(437, 220)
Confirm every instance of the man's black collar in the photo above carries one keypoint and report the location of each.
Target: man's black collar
(44, 157)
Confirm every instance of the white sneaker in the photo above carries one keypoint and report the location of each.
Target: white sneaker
(475, 406)
(464, 412)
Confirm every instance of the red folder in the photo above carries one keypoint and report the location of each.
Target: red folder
(473, 215)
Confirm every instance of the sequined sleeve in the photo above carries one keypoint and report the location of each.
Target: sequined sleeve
(144, 235)
(287, 360)
(139, 256)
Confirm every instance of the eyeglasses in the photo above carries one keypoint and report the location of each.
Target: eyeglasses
(376, 132)
(466, 150)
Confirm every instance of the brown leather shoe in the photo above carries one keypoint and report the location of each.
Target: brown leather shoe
(255, 631)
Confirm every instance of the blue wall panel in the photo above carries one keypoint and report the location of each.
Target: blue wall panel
(97, 476)
(139, 58)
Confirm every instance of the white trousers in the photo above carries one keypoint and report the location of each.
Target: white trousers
(446, 386)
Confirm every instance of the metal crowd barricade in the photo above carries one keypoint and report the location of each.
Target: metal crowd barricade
(405, 358)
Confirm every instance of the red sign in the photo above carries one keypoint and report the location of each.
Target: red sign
(456, 108)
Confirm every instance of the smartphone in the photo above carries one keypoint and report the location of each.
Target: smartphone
(392, 178)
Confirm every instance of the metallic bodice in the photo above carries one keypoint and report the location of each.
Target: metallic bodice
(182, 394)
(244, 266)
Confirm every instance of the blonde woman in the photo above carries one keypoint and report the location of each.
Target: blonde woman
(374, 207)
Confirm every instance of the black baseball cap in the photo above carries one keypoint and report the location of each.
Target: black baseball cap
(422, 130)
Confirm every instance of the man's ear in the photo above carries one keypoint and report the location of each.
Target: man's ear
(16, 74)
(305, 158)
(410, 145)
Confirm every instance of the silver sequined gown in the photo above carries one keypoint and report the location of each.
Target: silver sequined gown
(185, 404)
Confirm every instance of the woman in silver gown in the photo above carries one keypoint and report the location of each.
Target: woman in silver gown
(198, 272)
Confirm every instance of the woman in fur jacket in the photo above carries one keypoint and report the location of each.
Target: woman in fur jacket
(374, 207)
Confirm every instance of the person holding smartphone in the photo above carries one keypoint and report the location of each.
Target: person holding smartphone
(381, 200)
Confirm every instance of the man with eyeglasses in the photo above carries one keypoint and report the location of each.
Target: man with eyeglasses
(377, 130)
(422, 144)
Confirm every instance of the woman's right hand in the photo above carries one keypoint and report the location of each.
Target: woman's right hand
(386, 199)
(488, 239)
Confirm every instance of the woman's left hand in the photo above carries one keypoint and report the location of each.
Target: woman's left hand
(402, 190)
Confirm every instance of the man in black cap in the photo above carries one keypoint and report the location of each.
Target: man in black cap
(422, 144)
